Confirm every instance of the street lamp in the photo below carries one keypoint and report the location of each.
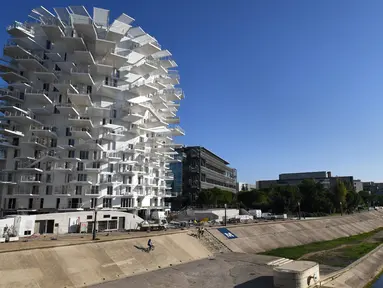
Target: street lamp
(225, 214)
(94, 223)
(299, 210)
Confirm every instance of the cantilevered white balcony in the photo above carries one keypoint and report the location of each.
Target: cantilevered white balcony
(82, 181)
(12, 77)
(37, 142)
(82, 75)
(11, 133)
(84, 26)
(52, 28)
(18, 29)
(73, 43)
(63, 166)
(23, 118)
(61, 191)
(65, 86)
(28, 43)
(82, 98)
(46, 76)
(11, 96)
(31, 179)
(31, 63)
(38, 96)
(145, 67)
(83, 58)
(148, 48)
(83, 122)
(67, 109)
(143, 87)
(26, 192)
(83, 133)
(44, 131)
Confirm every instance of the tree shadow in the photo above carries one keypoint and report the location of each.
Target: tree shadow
(261, 282)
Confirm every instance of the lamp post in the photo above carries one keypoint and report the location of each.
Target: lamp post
(341, 209)
(94, 223)
(225, 215)
(299, 210)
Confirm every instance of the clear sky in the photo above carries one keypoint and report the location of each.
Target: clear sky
(271, 86)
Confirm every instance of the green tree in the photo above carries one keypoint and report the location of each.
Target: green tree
(340, 193)
(353, 200)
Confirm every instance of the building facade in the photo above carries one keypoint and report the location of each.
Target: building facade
(243, 186)
(323, 177)
(202, 169)
(89, 114)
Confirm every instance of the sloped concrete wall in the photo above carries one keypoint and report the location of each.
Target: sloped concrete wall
(83, 265)
(266, 236)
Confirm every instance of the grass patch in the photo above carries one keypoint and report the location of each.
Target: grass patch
(299, 251)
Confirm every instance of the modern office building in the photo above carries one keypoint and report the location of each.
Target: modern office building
(176, 168)
(327, 180)
(202, 169)
(89, 114)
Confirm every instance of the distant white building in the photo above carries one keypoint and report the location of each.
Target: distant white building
(243, 186)
(71, 222)
(89, 114)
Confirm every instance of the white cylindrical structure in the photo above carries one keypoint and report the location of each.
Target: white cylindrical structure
(296, 274)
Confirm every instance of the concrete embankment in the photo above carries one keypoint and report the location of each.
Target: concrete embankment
(267, 236)
(359, 273)
(88, 264)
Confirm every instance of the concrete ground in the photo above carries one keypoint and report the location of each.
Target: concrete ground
(225, 271)
(231, 270)
(45, 241)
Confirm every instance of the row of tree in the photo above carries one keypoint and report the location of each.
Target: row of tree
(309, 196)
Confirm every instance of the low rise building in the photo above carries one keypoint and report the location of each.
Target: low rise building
(243, 186)
(325, 178)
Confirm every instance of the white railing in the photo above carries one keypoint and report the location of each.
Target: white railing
(179, 129)
(45, 128)
(87, 179)
(110, 180)
(38, 140)
(78, 129)
(114, 155)
(19, 114)
(64, 166)
(26, 192)
(27, 27)
(15, 94)
(36, 91)
(28, 178)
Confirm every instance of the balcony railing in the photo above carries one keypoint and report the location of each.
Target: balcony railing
(15, 94)
(26, 26)
(19, 114)
(64, 166)
(46, 128)
(30, 178)
(110, 180)
(38, 140)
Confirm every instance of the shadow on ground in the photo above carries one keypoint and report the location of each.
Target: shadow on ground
(262, 281)
(143, 249)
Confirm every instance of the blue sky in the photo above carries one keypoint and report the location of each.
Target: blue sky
(271, 86)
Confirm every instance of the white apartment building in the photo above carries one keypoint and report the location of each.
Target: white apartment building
(89, 114)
